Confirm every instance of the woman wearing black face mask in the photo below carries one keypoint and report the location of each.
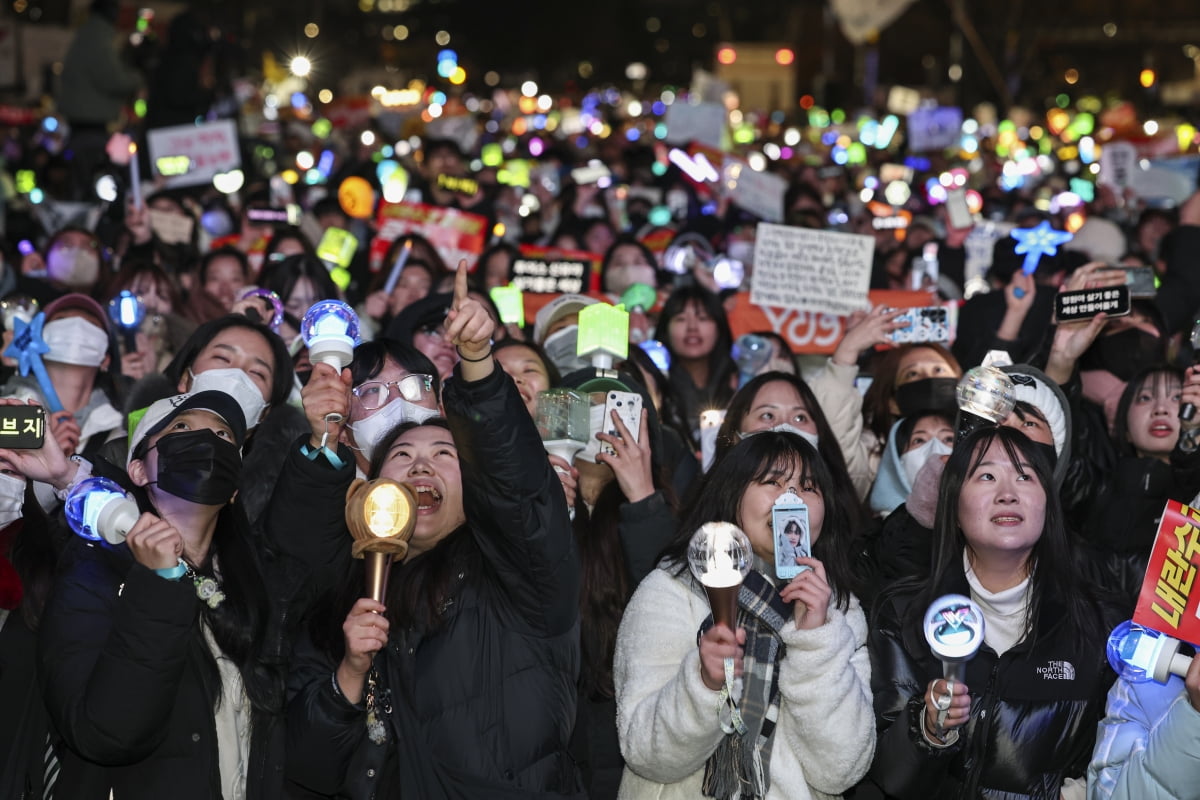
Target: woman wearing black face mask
(161, 657)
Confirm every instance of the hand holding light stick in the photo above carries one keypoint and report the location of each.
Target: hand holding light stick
(97, 509)
(720, 555)
(381, 515)
(330, 329)
(127, 311)
(954, 629)
(27, 348)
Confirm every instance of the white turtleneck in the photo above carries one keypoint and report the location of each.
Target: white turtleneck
(1005, 613)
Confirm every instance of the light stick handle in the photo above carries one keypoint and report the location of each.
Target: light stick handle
(135, 175)
(379, 566)
(397, 268)
(43, 378)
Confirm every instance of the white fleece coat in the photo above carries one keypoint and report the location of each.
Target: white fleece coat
(667, 718)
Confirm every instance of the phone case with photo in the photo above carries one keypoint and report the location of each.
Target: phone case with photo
(782, 515)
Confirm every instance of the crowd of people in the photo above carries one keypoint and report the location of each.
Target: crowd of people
(543, 635)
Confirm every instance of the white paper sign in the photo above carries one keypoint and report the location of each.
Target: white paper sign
(760, 193)
(1118, 161)
(811, 270)
(210, 149)
(703, 123)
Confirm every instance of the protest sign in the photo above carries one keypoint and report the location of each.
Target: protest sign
(760, 193)
(809, 332)
(454, 234)
(811, 270)
(1167, 602)
(551, 275)
(703, 123)
(1118, 161)
(190, 155)
(934, 128)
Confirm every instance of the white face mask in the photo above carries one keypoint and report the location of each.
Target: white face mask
(238, 385)
(914, 459)
(741, 251)
(12, 499)
(369, 432)
(560, 347)
(74, 340)
(784, 427)
(74, 267)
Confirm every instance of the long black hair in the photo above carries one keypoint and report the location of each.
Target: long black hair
(1147, 378)
(239, 624)
(281, 375)
(827, 443)
(721, 368)
(754, 460)
(1053, 574)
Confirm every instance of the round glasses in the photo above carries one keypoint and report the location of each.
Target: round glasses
(375, 394)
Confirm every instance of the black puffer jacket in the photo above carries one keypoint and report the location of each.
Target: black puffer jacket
(484, 705)
(1034, 710)
(120, 653)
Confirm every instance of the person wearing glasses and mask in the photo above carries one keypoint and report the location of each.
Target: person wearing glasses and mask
(390, 383)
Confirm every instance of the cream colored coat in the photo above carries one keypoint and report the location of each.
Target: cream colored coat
(667, 718)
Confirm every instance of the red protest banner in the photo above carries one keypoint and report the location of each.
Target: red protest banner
(455, 234)
(1167, 603)
(806, 332)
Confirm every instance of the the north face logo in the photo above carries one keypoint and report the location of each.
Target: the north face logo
(1057, 671)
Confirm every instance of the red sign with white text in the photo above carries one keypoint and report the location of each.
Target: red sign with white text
(1168, 602)
(454, 234)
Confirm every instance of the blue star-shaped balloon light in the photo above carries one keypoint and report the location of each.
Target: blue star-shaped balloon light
(1033, 243)
(27, 348)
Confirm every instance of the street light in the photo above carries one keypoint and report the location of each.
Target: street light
(300, 66)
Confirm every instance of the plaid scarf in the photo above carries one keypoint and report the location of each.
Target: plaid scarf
(740, 766)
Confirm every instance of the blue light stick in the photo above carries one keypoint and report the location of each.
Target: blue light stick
(1033, 243)
(127, 311)
(28, 347)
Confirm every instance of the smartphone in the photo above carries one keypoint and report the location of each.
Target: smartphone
(1086, 303)
(628, 406)
(789, 524)
(957, 210)
(22, 427)
(1140, 281)
(594, 172)
(287, 215)
(928, 324)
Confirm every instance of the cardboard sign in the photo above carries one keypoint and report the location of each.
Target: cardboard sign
(704, 123)
(811, 270)
(210, 149)
(760, 193)
(1168, 602)
(551, 275)
(171, 228)
(455, 234)
(1118, 162)
(934, 128)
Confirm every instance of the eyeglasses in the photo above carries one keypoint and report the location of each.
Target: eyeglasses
(436, 331)
(375, 394)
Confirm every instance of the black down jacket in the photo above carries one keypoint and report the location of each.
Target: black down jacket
(1034, 710)
(482, 706)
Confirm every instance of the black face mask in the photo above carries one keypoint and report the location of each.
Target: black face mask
(198, 466)
(1125, 353)
(927, 394)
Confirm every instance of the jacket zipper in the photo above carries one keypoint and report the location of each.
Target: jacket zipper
(980, 736)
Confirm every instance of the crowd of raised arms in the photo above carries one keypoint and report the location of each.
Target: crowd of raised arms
(548, 629)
